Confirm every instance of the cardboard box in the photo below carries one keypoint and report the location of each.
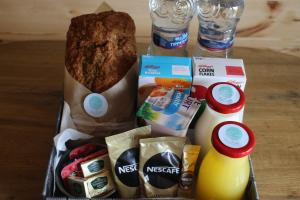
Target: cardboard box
(51, 190)
(166, 71)
(207, 71)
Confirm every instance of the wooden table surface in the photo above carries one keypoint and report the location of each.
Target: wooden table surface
(31, 83)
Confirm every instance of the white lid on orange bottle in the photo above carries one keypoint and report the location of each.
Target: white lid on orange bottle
(225, 98)
(233, 139)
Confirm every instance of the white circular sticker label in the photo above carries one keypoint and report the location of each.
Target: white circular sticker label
(226, 94)
(95, 105)
(233, 136)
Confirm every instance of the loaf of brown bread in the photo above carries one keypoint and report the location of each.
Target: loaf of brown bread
(100, 49)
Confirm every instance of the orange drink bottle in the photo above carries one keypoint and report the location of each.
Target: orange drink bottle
(224, 172)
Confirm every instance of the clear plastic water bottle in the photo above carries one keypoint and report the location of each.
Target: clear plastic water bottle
(217, 26)
(170, 23)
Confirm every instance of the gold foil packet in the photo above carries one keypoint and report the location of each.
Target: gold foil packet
(160, 160)
(187, 178)
(123, 150)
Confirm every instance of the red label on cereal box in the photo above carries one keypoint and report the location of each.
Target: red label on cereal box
(234, 70)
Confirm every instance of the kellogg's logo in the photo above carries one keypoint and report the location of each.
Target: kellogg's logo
(206, 66)
(152, 67)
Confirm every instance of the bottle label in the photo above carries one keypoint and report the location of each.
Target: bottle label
(226, 94)
(170, 40)
(212, 44)
(233, 136)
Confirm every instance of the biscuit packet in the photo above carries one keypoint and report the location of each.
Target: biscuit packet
(123, 150)
(159, 169)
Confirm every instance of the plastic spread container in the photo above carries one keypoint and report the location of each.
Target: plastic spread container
(224, 172)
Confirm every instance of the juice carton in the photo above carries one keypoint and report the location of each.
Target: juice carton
(207, 71)
(166, 71)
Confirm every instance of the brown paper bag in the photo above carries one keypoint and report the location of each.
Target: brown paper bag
(119, 102)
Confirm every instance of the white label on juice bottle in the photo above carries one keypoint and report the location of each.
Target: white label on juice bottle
(233, 136)
(226, 94)
(95, 105)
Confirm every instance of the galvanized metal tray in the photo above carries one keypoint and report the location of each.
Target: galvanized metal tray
(50, 192)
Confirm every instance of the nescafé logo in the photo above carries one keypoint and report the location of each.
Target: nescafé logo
(162, 170)
(126, 167)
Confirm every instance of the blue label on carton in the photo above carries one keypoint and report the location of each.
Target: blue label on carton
(165, 71)
(166, 67)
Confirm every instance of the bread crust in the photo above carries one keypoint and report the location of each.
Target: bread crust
(100, 49)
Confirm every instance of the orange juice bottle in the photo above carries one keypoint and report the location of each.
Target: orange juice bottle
(224, 172)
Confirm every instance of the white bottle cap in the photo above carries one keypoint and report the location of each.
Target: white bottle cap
(226, 94)
(95, 105)
(233, 139)
(233, 136)
(225, 97)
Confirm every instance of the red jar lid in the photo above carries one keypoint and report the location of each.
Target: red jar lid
(233, 139)
(225, 98)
